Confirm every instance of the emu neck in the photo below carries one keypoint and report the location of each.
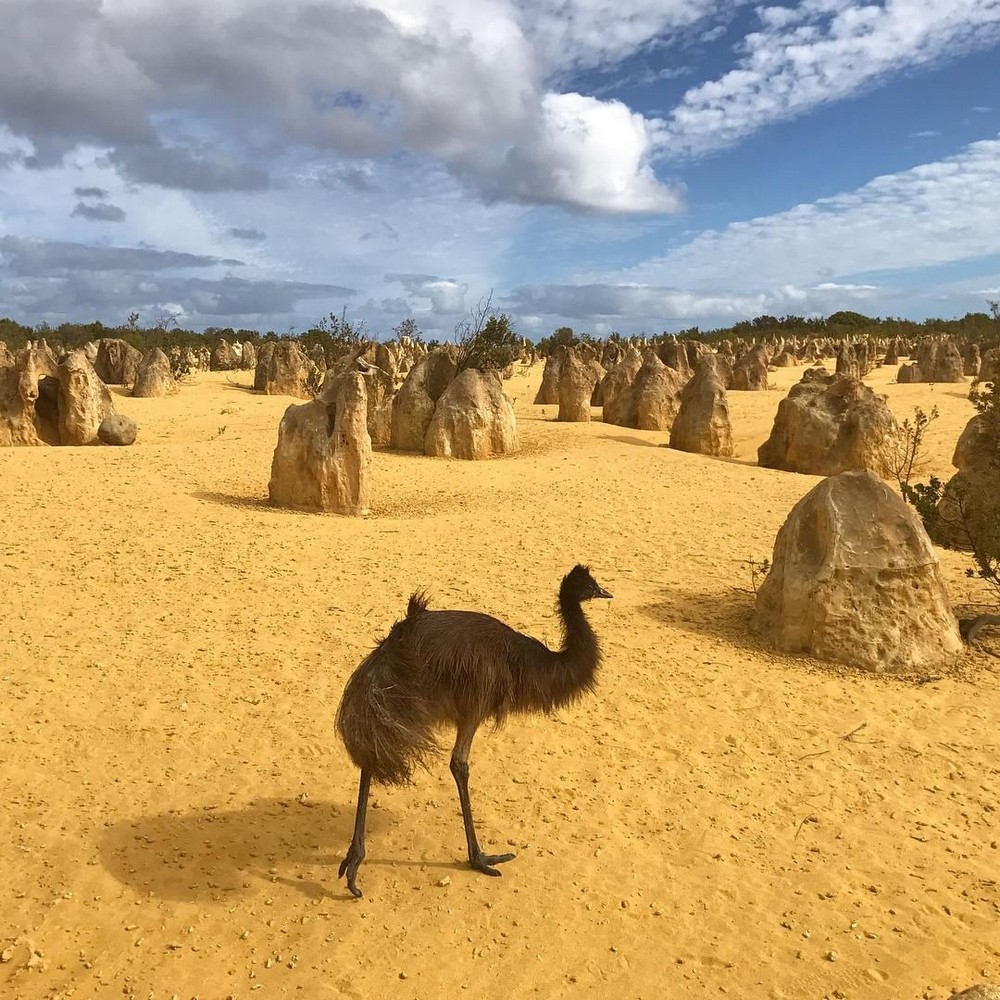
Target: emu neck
(579, 642)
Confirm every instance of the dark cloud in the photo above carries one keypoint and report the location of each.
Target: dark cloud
(189, 167)
(90, 192)
(101, 212)
(250, 235)
(37, 258)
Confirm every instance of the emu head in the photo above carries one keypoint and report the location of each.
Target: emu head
(579, 585)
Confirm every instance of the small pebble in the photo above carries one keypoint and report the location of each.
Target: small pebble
(444, 881)
(832, 956)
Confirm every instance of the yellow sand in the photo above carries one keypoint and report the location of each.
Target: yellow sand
(174, 801)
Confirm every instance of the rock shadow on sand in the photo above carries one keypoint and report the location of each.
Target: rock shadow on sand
(219, 855)
(718, 615)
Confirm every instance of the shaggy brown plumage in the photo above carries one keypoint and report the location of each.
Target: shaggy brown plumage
(462, 668)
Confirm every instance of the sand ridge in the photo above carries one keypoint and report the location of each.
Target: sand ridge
(717, 818)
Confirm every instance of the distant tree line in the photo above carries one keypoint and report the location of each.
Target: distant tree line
(340, 333)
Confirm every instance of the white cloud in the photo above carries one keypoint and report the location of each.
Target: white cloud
(936, 213)
(590, 153)
(822, 51)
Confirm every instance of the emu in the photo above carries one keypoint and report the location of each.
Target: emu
(462, 668)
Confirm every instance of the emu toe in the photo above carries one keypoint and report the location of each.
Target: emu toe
(350, 866)
(484, 862)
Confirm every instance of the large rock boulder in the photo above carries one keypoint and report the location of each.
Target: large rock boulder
(576, 387)
(117, 429)
(116, 362)
(413, 406)
(971, 360)
(750, 371)
(829, 424)
(702, 422)
(6, 358)
(153, 376)
(473, 419)
(224, 358)
(288, 371)
(84, 400)
(323, 457)
(22, 420)
(855, 579)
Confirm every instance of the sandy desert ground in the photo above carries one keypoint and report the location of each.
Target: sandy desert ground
(718, 819)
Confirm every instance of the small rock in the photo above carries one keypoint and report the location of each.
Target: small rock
(117, 429)
(444, 881)
(832, 956)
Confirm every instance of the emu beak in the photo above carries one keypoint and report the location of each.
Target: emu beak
(601, 592)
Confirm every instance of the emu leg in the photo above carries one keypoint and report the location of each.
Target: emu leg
(460, 769)
(356, 852)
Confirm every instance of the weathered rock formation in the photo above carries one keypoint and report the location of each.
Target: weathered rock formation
(847, 361)
(937, 360)
(702, 422)
(413, 406)
(548, 391)
(473, 419)
(248, 356)
(989, 365)
(116, 362)
(750, 371)
(21, 423)
(651, 402)
(970, 504)
(576, 387)
(260, 371)
(84, 400)
(615, 388)
(288, 371)
(855, 579)
(829, 424)
(323, 457)
(153, 376)
(224, 358)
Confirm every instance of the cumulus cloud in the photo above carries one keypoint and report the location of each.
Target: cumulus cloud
(445, 295)
(589, 153)
(90, 192)
(821, 51)
(166, 88)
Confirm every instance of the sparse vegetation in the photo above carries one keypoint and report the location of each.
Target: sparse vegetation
(487, 340)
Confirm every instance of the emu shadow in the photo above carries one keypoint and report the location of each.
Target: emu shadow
(219, 855)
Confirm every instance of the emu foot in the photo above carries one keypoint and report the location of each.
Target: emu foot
(484, 862)
(350, 865)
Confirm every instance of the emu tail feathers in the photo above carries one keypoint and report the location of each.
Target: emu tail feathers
(417, 604)
(385, 724)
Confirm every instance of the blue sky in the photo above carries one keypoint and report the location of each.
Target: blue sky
(606, 165)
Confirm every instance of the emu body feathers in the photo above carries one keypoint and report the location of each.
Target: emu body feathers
(458, 667)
